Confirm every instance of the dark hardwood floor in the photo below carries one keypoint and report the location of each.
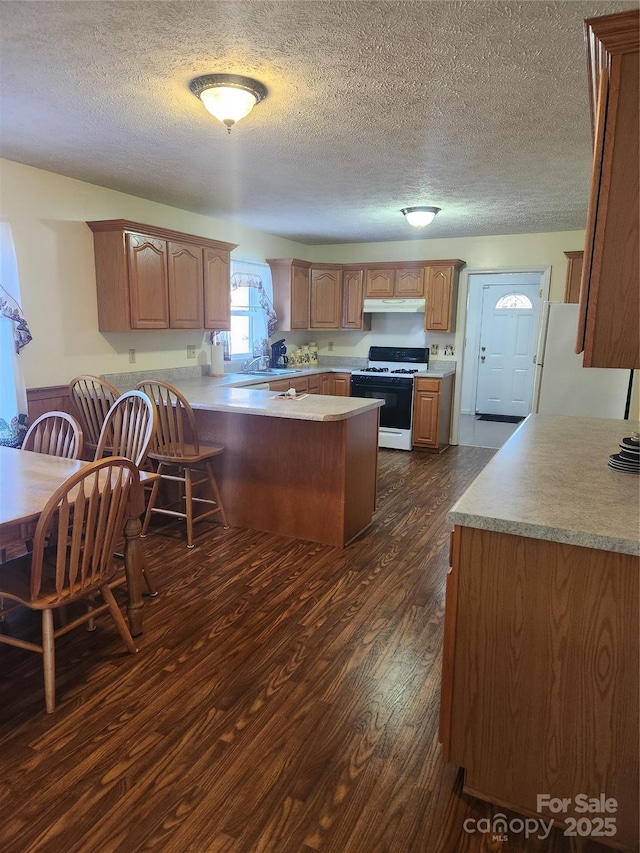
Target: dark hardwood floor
(284, 698)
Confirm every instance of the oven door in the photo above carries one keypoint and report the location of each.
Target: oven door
(397, 394)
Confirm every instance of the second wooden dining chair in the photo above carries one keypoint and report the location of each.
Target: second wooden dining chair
(178, 454)
(128, 429)
(56, 434)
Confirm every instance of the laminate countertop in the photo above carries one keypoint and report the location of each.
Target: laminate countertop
(551, 481)
(214, 396)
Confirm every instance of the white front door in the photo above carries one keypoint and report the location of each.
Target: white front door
(508, 329)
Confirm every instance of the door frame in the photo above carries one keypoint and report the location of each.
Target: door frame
(472, 326)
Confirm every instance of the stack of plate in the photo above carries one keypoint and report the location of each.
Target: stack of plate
(629, 457)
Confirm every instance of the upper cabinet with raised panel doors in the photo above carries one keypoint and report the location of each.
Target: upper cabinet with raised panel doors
(352, 298)
(150, 278)
(325, 307)
(291, 295)
(609, 319)
(574, 274)
(441, 291)
(394, 280)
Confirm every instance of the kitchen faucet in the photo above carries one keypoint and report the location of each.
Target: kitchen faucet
(249, 365)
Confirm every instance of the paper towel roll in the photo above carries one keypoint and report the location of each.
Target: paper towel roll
(217, 360)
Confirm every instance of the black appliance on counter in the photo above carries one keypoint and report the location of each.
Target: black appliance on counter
(279, 354)
(389, 377)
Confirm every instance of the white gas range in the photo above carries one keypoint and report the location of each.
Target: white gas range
(389, 376)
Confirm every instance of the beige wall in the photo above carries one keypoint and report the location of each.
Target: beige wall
(54, 247)
(48, 215)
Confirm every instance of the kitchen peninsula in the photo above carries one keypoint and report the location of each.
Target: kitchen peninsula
(304, 468)
(540, 661)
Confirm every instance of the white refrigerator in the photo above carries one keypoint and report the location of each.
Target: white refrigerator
(562, 385)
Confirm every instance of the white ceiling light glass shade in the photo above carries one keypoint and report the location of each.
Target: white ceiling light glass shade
(228, 97)
(420, 216)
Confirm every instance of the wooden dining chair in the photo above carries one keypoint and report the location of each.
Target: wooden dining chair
(85, 515)
(178, 454)
(55, 433)
(92, 397)
(128, 429)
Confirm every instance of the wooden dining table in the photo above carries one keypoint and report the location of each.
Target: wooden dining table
(27, 481)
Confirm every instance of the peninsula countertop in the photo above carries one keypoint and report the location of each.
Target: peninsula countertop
(212, 396)
(551, 481)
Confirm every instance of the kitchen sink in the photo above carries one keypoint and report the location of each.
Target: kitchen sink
(268, 370)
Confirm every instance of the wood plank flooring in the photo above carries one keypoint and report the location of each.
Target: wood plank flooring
(284, 699)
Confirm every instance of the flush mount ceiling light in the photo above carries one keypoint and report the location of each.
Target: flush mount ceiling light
(228, 97)
(420, 216)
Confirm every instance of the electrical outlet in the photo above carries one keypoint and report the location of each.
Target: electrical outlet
(448, 350)
(191, 351)
(132, 356)
(434, 349)
(330, 346)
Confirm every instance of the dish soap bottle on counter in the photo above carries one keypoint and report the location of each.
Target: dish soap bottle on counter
(313, 354)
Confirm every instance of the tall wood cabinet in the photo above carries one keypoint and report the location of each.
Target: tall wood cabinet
(150, 278)
(609, 320)
(325, 307)
(352, 298)
(441, 291)
(291, 295)
(574, 275)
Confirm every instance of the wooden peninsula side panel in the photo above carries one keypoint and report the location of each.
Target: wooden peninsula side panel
(314, 480)
(540, 682)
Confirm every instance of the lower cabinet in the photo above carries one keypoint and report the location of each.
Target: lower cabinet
(335, 384)
(540, 677)
(341, 384)
(300, 383)
(432, 402)
(315, 383)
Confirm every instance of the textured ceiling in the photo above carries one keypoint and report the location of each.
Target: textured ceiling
(478, 108)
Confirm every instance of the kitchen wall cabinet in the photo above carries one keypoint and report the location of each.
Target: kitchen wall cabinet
(217, 289)
(352, 299)
(325, 307)
(150, 278)
(432, 400)
(146, 273)
(291, 294)
(574, 275)
(441, 291)
(389, 280)
(609, 319)
(185, 277)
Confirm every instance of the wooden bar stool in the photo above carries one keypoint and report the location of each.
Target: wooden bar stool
(92, 397)
(179, 455)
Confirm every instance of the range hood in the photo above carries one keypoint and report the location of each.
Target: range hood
(395, 305)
